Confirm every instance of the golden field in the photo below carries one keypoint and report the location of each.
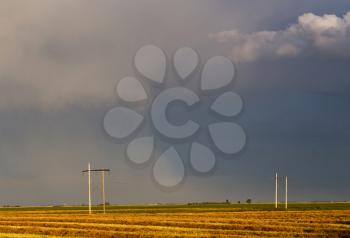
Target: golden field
(176, 221)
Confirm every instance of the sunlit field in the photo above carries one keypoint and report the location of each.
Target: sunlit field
(209, 220)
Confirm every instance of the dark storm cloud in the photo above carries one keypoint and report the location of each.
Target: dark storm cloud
(60, 61)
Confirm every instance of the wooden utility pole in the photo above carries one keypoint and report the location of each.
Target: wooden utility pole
(89, 170)
(276, 191)
(286, 196)
(103, 191)
(89, 178)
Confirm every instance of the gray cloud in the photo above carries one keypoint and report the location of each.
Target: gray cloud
(48, 60)
(327, 34)
(67, 56)
(57, 53)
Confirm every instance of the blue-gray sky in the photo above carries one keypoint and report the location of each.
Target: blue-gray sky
(60, 61)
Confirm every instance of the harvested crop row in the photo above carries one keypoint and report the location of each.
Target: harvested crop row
(256, 225)
(75, 232)
(179, 224)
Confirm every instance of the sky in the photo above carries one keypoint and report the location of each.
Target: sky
(61, 60)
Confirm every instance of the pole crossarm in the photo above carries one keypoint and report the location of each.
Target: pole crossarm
(95, 170)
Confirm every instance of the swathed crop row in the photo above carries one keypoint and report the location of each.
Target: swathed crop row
(179, 224)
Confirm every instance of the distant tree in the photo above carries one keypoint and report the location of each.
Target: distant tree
(239, 202)
(249, 201)
(228, 201)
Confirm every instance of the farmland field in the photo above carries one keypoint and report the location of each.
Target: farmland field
(209, 220)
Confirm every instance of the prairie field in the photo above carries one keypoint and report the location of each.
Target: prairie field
(196, 220)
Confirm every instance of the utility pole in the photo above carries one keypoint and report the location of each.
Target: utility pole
(276, 191)
(89, 188)
(286, 196)
(103, 191)
(89, 170)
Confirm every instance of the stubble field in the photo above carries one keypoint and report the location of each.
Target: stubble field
(210, 220)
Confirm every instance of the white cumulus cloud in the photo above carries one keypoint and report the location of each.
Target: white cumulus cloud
(327, 34)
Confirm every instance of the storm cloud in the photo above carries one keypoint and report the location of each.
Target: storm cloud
(60, 61)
